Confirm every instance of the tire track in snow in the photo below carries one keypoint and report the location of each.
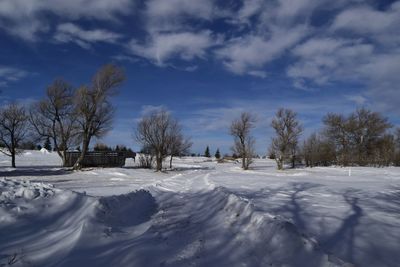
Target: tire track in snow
(191, 181)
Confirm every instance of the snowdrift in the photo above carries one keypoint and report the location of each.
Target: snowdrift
(44, 226)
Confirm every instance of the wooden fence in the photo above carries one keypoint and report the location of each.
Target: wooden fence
(99, 158)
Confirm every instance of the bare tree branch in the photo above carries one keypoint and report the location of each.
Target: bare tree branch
(243, 141)
(287, 132)
(13, 129)
(54, 117)
(93, 107)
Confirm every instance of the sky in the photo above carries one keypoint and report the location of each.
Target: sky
(206, 61)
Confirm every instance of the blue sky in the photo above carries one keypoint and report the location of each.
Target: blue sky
(206, 61)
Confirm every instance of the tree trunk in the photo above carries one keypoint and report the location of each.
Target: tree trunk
(170, 162)
(61, 154)
(293, 161)
(279, 162)
(85, 147)
(64, 160)
(13, 159)
(159, 163)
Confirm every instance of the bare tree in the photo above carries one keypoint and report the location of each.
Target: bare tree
(54, 117)
(13, 129)
(310, 150)
(146, 158)
(180, 144)
(317, 151)
(288, 130)
(161, 135)
(337, 131)
(93, 107)
(385, 151)
(358, 137)
(243, 141)
(397, 148)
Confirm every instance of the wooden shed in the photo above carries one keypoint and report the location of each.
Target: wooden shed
(98, 158)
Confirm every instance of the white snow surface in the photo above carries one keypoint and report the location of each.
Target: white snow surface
(44, 150)
(200, 214)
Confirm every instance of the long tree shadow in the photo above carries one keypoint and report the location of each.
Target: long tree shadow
(387, 201)
(349, 226)
(292, 205)
(295, 205)
(210, 228)
(34, 171)
(346, 233)
(191, 168)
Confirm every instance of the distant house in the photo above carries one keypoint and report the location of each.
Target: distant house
(99, 158)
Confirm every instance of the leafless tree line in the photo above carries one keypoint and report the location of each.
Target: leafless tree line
(70, 117)
(362, 138)
(66, 116)
(161, 136)
(284, 145)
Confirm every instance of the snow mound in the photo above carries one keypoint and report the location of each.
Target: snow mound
(44, 226)
(218, 228)
(44, 151)
(126, 210)
(11, 190)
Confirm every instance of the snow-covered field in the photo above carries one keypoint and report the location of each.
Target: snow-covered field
(201, 214)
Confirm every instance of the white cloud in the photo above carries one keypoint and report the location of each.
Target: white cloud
(364, 19)
(249, 54)
(146, 109)
(258, 73)
(358, 99)
(163, 46)
(359, 44)
(69, 32)
(286, 13)
(249, 9)
(383, 75)
(382, 26)
(173, 15)
(291, 9)
(171, 33)
(158, 9)
(25, 19)
(324, 60)
(9, 74)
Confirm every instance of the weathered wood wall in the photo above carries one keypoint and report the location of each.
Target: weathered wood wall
(97, 159)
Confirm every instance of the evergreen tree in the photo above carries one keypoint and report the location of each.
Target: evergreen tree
(217, 154)
(207, 152)
(47, 144)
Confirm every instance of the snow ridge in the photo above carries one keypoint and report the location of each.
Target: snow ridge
(45, 226)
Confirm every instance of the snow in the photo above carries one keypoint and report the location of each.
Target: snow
(44, 150)
(200, 214)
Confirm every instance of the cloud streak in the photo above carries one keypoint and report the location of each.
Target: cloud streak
(9, 75)
(27, 19)
(314, 44)
(161, 47)
(69, 32)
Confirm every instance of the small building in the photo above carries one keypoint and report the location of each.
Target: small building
(99, 158)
